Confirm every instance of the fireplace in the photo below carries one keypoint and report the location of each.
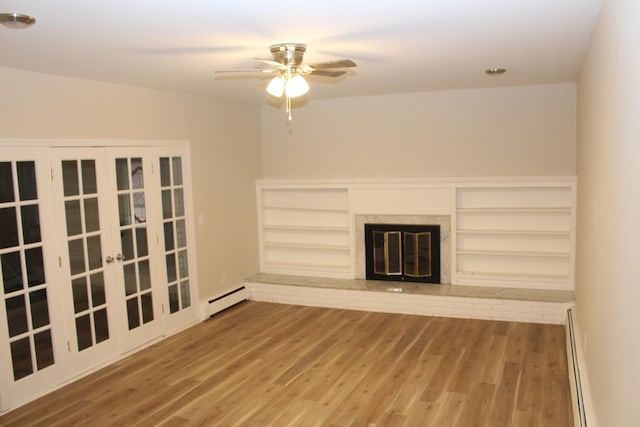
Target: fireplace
(444, 221)
(402, 252)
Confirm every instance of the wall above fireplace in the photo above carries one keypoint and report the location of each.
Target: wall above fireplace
(512, 231)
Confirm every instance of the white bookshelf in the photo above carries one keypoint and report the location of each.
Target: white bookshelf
(305, 231)
(515, 235)
(505, 231)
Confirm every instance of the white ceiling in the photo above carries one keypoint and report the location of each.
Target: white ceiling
(399, 46)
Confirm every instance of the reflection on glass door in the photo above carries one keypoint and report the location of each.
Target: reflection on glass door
(132, 215)
(175, 233)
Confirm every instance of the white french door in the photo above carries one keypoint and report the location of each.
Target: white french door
(136, 228)
(32, 338)
(96, 250)
(177, 237)
(109, 270)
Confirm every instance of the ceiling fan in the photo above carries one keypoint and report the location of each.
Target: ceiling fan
(289, 71)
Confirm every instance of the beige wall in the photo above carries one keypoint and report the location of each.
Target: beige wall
(516, 130)
(224, 140)
(608, 246)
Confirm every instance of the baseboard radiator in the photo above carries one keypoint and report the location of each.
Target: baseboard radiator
(578, 401)
(231, 298)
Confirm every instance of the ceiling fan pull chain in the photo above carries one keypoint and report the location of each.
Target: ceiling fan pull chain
(287, 99)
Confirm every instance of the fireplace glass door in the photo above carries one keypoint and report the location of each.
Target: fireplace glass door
(417, 254)
(403, 252)
(387, 253)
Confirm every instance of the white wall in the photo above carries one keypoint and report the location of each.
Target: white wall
(608, 242)
(224, 140)
(517, 130)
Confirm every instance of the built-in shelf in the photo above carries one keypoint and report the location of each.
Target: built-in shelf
(305, 230)
(515, 235)
(505, 231)
(516, 232)
(309, 246)
(512, 210)
(514, 254)
(306, 209)
(318, 228)
(308, 267)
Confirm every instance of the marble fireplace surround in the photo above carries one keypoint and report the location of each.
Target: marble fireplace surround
(444, 221)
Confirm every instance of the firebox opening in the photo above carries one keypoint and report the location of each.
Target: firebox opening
(402, 252)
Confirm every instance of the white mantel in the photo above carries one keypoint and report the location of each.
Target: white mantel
(515, 231)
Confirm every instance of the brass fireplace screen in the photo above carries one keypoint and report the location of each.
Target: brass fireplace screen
(403, 252)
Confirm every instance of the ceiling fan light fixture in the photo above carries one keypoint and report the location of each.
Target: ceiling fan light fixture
(276, 86)
(288, 71)
(296, 86)
(16, 21)
(291, 86)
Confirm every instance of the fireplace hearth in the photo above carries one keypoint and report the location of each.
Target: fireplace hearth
(402, 252)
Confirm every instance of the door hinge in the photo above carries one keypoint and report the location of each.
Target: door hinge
(51, 174)
(68, 346)
(60, 262)
(162, 305)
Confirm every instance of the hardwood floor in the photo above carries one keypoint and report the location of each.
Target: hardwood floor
(261, 364)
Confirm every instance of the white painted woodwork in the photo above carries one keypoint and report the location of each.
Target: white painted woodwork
(506, 231)
(401, 201)
(47, 154)
(516, 235)
(305, 230)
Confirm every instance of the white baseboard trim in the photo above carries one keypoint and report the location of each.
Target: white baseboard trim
(430, 305)
(224, 301)
(578, 379)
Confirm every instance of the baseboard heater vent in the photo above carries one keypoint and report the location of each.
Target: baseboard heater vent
(216, 305)
(579, 414)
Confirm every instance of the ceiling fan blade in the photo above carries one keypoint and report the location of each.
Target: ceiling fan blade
(343, 63)
(272, 63)
(327, 73)
(244, 70)
(191, 50)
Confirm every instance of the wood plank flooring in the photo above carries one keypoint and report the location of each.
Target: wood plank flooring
(262, 364)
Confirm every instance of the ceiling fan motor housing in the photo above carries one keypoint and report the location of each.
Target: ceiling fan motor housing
(288, 53)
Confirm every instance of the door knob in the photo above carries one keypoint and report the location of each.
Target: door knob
(109, 259)
(119, 257)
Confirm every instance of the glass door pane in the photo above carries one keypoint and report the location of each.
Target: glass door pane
(86, 260)
(175, 234)
(84, 239)
(136, 256)
(30, 324)
(23, 274)
(179, 276)
(134, 241)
